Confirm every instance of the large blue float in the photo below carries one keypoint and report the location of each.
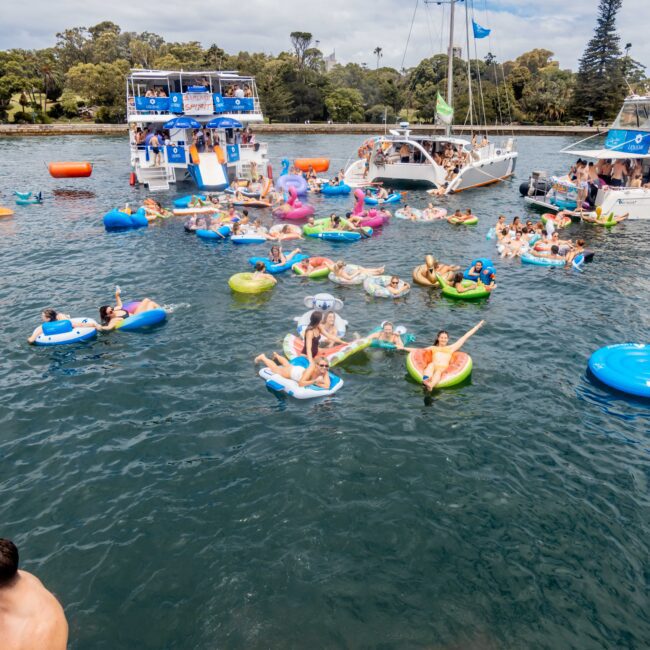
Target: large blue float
(625, 367)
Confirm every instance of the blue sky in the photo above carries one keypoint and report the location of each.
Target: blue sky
(353, 28)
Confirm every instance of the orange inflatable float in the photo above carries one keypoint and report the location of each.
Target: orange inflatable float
(5, 212)
(318, 164)
(70, 169)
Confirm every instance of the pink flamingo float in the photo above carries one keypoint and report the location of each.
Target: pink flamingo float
(373, 217)
(293, 208)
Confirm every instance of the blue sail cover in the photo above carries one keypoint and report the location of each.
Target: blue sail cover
(480, 32)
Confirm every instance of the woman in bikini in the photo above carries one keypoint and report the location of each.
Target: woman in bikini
(111, 316)
(317, 374)
(313, 333)
(441, 354)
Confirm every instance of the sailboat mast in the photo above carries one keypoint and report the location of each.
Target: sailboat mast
(450, 64)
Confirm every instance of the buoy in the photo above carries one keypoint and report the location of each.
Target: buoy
(132, 179)
(70, 169)
(318, 164)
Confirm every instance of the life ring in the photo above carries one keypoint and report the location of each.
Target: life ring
(624, 367)
(320, 268)
(250, 283)
(61, 332)
(376, 286)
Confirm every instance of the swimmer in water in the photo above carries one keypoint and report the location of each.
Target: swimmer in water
(441, 353)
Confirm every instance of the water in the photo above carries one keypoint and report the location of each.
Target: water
(171, 501)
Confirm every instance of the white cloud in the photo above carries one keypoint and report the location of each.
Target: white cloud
(351, 27)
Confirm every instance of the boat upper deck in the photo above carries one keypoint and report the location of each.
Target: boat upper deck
(157, 95)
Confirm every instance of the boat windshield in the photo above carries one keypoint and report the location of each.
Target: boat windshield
(634, 115)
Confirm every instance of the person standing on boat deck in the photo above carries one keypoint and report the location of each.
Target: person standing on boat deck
(31, 618)
(604, 170)
(239, 92)
(156, 144)
(618, 173)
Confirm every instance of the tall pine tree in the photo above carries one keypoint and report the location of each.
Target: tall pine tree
(600, 85)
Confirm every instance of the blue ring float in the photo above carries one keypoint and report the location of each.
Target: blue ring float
(625, 367)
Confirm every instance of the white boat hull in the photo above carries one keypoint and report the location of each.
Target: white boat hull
(634, 200)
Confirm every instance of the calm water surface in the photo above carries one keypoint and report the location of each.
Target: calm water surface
(171, 501)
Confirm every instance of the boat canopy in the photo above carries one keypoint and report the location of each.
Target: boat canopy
(603, 154)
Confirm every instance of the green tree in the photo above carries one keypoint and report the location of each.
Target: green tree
(276, 100)
(600, 86)
(100, 84)
(345, 105)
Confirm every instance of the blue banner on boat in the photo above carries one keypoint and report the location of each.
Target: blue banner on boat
(233, 152)
(480, 32)
(634, 142)
(175, 103)
(152, 103)
(219, 106)
(238, 103)
(175, 154)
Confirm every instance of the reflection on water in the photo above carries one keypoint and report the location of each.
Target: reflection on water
(153, 479)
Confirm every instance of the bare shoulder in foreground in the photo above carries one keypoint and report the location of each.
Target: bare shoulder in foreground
(31, 618)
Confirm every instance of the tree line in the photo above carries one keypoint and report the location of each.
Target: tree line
(86, 69)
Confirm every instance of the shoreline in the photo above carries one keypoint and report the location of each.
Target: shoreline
(23, 130)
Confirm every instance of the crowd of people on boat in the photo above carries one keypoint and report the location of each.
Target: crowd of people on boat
(589, 177)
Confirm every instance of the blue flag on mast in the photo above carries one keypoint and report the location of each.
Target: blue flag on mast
(480, 32)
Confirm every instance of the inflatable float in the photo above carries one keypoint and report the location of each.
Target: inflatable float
(294, 231)
(28, 198)
(319, 268)
(459, 221)
(624, 367)
(561, 222)
(303, 321)
(293, 389)
(460, 367)
(250, 283)
(486, 273)
(321, 229)
(319, 165)
(395, 197)
(480, 291)
(293, 208)
(529, 258)
(5, 212)
(222, 233)
(342, 189)
(70, 169)
(185, 201)
(416, 215)
(295, 181)
(323, 302)
(349, 269)
(121, 220)
(372, 218)
(278, 268)
(252, 237)
(293, 345)
(377, 286)
(61, 332)
(425, 274)
(142, 321)
(400, 330)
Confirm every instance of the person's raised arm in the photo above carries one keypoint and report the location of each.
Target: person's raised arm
(118, 299)
(461, 341)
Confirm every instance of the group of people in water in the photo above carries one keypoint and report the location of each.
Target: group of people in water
(110, 316)
(539, 240)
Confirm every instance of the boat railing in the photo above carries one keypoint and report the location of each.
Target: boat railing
(187, 103)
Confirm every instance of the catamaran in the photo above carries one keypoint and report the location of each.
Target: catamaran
(627, 139)
(404, 159)
(183, 104)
